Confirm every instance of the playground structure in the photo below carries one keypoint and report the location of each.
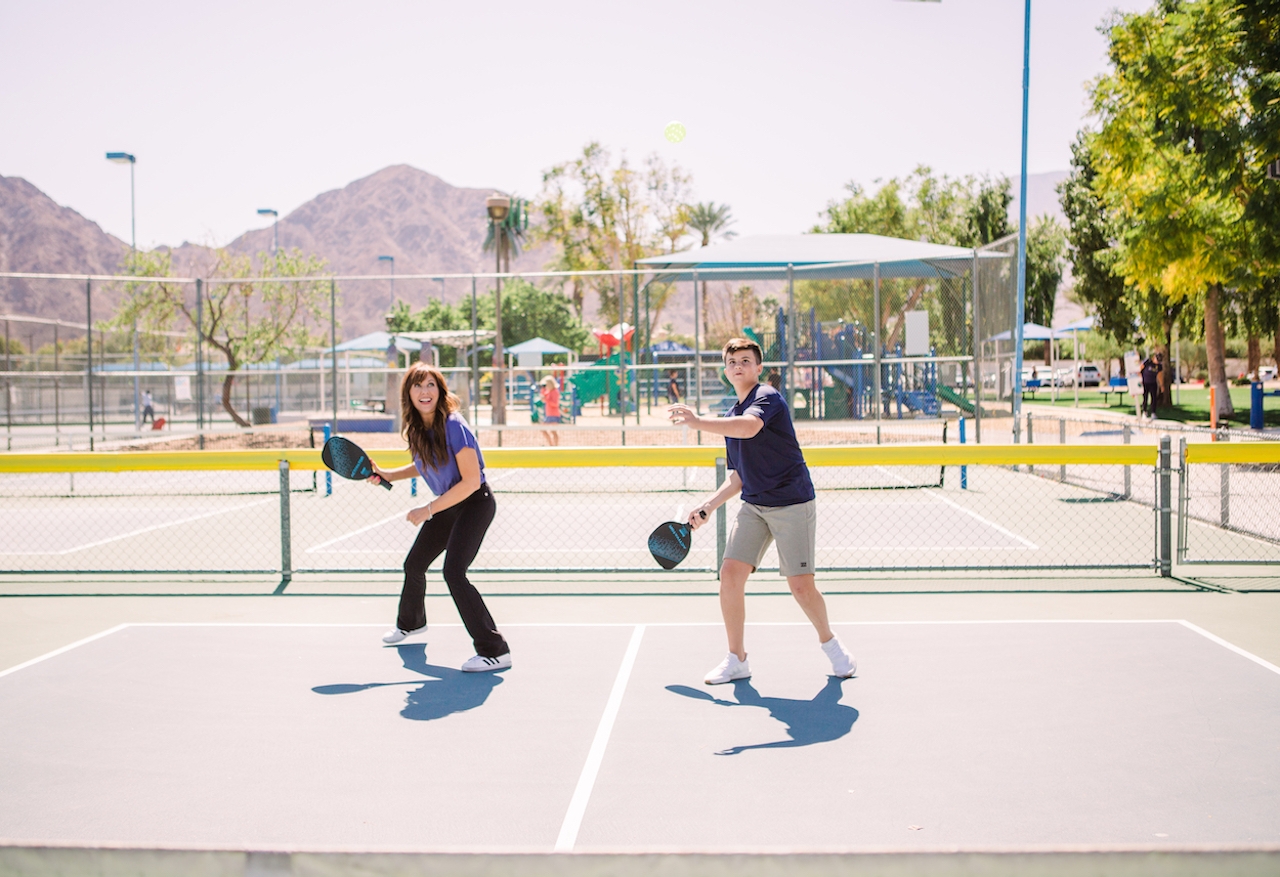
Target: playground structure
(865, 328)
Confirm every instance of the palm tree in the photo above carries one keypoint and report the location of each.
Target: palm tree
(508, 225)
(710, 220)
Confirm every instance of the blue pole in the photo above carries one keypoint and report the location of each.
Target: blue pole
(1022, 230)
(964, 470)
(328, 476)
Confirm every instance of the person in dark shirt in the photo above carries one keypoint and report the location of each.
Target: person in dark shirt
(778, 505)
(1151, 368)
(673, 388)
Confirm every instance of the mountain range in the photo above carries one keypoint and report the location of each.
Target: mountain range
(425, 224)
(422, 222)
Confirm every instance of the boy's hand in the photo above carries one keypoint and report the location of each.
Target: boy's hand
(699, 516)
(681, 414)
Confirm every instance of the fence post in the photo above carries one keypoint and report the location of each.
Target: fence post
(328, 476)
(286, 537)
(1165, 505)
(1061, 439)
(1031, 440)
(964, 470)
(720, 514)
(1183, 495)
(1128, 484)
(1224, 489)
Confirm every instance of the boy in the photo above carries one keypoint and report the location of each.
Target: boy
(778, 506)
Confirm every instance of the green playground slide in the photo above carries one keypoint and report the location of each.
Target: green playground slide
(946, 394)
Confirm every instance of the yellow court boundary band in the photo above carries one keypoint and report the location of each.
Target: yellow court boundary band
(307, 459)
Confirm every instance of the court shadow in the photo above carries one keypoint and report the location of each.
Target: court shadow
(446, 692)
(819, 720)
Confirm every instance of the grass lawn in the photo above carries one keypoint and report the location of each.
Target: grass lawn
(1193, 408)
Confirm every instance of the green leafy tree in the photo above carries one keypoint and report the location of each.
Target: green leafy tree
(1179, 159)
(600, 216)
(247, 318)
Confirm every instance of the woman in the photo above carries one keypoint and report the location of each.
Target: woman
(551, 403)
(447, 457)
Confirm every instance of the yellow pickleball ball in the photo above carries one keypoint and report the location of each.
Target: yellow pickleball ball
(673, 132)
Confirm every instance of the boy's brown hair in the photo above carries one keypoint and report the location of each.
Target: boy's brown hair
(733, 345)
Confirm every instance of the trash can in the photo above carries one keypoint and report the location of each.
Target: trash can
(261, 415)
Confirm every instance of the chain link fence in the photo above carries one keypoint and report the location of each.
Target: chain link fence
(892, 509)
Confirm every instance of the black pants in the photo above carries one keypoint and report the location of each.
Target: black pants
(457, 532)
(1150, 392)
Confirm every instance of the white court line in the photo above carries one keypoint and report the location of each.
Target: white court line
(133, 533)
(56, 652)
(398, 516)
(1222, 642)
(587, 779)
(940, 498)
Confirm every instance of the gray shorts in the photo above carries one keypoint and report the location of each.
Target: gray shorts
(793, 527)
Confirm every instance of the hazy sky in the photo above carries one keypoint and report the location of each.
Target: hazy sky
(232, 106)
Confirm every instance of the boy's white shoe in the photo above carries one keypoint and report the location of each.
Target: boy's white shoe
(842, 662)
(728, 670)
(395, 634)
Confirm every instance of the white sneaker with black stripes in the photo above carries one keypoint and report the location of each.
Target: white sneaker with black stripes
(396, 634)
(481, 664)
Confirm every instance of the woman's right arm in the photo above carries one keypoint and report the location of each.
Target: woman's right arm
(392, 474)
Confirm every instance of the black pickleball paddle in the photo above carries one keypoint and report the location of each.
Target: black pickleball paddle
(347, 459)
(669, 543)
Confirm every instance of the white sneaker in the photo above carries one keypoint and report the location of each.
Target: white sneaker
(481, 664)
(395, 634)
(728, 670)
(842, 662)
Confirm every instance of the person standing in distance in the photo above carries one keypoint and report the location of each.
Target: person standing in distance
(778, 505)
(148, 411)
(1151, 368)
(447, 456)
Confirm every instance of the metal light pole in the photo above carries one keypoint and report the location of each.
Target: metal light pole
(498, 206)
(392, 260)
(275, 227)
(131, 160)
(1022, 230)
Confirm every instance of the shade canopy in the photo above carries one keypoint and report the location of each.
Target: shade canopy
(816, 256)
(537, 345)
(1082, 325)
(379, 341)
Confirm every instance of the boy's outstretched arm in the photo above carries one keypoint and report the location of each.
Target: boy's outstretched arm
(744, 426)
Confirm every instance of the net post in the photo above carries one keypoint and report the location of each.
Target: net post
(1165, 559)
(964, 470)
(720, 513)
(286, 537)
(1031, 439)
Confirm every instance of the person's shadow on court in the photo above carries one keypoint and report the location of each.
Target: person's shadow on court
(449, 691)
(819, 720)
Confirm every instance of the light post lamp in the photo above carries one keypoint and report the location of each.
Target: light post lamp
(1020, 318)
(392, 260)
(275, 227)
(498, 206)
(131, 160)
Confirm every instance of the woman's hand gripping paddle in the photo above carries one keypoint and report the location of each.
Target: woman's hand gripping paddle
(669, 544)
(347, 459)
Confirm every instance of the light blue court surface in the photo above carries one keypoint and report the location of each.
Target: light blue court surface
(1009, 735)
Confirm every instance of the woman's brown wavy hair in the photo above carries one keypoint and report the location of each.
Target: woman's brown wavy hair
(427, 441)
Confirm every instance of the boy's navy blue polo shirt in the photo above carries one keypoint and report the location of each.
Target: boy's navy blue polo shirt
(770, 464)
